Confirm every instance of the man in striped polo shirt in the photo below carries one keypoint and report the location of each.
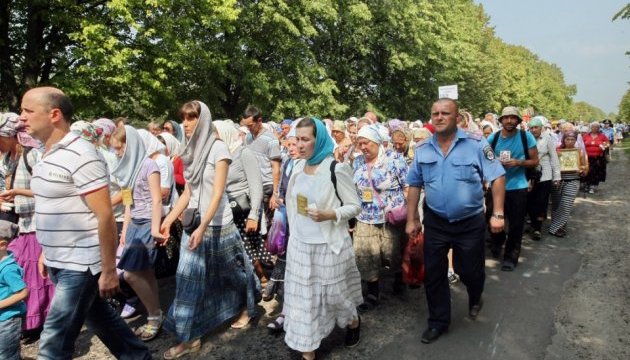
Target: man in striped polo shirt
(76, 230)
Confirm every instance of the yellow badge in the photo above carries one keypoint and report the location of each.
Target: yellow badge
(367, 196)
(302, 204)
(127, 199)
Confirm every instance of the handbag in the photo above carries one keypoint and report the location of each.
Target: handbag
(168, 256)
(240, 204)
(395, 215)
(413, 261)
(191, 219)
(278, 233)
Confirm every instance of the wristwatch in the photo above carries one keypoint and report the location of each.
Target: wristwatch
(498, 216)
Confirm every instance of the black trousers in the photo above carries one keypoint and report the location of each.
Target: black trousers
(515, 208)
(537, 203)
(466, 238)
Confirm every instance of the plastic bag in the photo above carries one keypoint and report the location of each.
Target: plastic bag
(413, 261)
(279, 232)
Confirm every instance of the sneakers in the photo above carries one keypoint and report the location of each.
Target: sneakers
(128, 311)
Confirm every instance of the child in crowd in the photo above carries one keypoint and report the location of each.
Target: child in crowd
(139, 179)
(13, 291)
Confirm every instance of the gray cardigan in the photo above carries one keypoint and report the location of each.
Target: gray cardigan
(244, 178)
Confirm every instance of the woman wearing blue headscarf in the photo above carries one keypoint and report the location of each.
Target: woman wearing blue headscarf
(322, 283)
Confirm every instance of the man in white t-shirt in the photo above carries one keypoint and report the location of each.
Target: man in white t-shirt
(75, 227)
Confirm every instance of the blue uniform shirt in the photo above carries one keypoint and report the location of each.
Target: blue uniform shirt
(609, 132)
(453, 184)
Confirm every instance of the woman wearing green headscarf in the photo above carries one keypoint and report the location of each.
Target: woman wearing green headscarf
(549, 167)
(322, 282)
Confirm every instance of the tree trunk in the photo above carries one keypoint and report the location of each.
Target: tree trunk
(8, 85)
(38, 21)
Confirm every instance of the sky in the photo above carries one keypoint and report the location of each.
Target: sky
(579, 36)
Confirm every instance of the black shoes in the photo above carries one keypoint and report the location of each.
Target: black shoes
(431, 334)
(353, 336)
(536, 236)
(473, 312)
(508, 265)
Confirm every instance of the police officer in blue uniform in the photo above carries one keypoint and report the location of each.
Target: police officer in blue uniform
(452, 166)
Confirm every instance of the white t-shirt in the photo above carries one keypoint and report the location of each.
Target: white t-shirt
(223, 216)
(167, 180)
(67, 229)
(306, 228)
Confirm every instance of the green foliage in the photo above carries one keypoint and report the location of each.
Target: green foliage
(624, 108)
(143, 58)
(582, 111)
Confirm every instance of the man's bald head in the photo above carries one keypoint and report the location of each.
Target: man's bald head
(53, 98)
(449, 100)
(372, 116)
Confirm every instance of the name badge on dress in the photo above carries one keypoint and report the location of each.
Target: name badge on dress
(302, 204)
(127, 199)
(367, 196)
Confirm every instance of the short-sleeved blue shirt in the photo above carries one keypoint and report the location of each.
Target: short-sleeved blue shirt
(11, 281)
(453, 184)
(515, 177)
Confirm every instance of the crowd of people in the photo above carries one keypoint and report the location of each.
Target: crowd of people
(93, 207)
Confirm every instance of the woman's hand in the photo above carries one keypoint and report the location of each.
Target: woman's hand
(7, 195)
(195, 238)
(165, 232)
(251, 225)
(158, 238)
(321, 215)
(123, 238)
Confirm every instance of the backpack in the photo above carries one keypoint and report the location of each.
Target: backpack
(532, 174)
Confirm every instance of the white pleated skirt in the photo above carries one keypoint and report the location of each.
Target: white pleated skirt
(321, 289)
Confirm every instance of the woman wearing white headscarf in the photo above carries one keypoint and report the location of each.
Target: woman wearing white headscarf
(19, 155)
(157, 152)
(172, 149)
(139, 178)
(380, 178)
(215, 282)
(245, 192)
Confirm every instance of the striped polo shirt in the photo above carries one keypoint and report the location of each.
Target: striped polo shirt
(66, 228)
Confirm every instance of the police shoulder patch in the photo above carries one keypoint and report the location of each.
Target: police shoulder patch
(474, 135)
(488, 152)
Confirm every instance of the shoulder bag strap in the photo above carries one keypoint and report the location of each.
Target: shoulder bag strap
(524, 141)
(333, 179)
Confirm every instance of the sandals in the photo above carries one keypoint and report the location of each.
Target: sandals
(277, 325)
(241, 325)
(148, 332)
(172, 353)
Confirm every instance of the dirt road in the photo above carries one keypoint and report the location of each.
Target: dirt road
(569, 298)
